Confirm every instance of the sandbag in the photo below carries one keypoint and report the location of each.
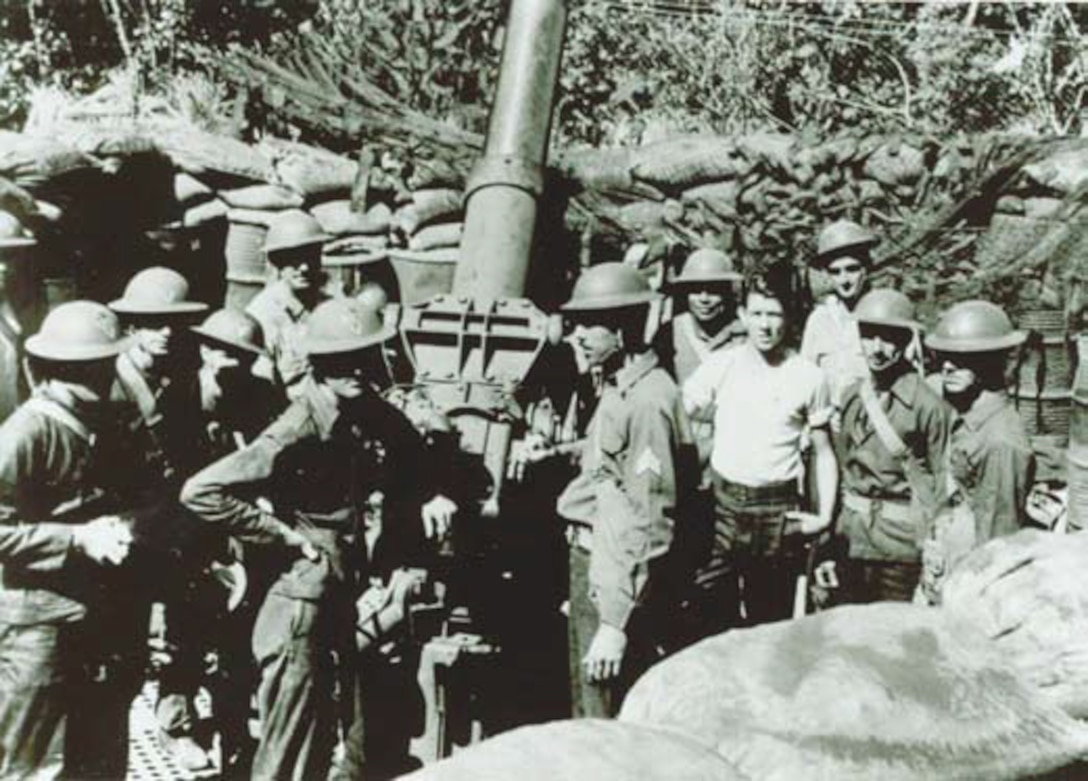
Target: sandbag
(774, 149)
(204, 213)
(719, 197)
(685, 162)
(434, 236)
(351, 245)
(895, 164)
(30, 161)
(189, 190)
(437, 205)
(434, 173)
(262, 197)
(316, 173)
(197, 152)
(582, 750)
(337, 218)
(884, 691)
(1028, 593)
(1065, 171)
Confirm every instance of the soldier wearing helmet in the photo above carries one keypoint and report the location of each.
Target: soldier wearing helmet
(317, 464)
(293, 248)
(622, 509)
(762, 399)
(61, 631)
(893, 447)
(831, 339)
(992, 465)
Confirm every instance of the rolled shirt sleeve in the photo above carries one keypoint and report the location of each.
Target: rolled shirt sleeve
(215, 493)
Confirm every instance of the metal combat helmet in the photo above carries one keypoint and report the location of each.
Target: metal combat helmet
(974, 327)
(707, 266)
(343, 325)
(232, 330)
(78, 331)
(887, 307)
(157, 291)
(293, 229)
(609, 286)
(841, 238)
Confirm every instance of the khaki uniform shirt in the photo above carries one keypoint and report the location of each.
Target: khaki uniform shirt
(993, 464)
(832, 342)
(629, 470)
(282, 317)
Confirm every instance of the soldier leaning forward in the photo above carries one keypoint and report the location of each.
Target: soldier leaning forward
(68, 624)
(623, 506)
(893, 449)
(991, 463)
(317, 464)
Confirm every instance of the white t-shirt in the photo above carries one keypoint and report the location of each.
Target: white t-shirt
(832, 342)
(760, 412)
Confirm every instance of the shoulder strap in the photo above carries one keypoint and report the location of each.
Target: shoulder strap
(881, 425)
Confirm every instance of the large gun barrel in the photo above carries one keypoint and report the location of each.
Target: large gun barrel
(504, 188)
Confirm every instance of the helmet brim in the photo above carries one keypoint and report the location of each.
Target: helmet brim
(123, 307)
(723, 278)
(228, 344)
(891, 322)
(342, 346)
(42, 348)
(275, 249)
(17, 243)
(980, 345)
(823, 259)
(617, 301)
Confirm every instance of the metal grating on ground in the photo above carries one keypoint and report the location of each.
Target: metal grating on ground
(147, 761)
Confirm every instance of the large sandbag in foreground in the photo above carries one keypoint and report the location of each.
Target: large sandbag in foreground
(583, 750)
(1029, 594)
(886, 691)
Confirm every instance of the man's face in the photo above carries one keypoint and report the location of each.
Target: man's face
(349, 375)
(847, 277)
(884, 347)
(300, 269)
(596, 342)
(765, 319)
(707, 304)
(957, 374)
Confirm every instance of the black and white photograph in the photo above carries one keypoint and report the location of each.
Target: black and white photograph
(543, 390)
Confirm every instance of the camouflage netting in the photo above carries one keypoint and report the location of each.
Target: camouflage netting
(997, 217)
(887, 691)
(585, 750)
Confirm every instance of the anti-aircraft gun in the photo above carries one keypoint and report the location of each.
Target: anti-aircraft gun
(472, 351)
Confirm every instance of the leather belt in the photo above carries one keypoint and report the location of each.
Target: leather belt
(891, 509)
(775, 492)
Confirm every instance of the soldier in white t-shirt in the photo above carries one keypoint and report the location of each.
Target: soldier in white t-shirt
(762, 397)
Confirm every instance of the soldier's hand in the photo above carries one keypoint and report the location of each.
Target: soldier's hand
(533, 449)
(605, 656)
(104, 540)
(293, 539)
(438, 516)
(811, 523)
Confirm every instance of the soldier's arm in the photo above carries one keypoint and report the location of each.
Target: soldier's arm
(39, 547)
(634, 523)
(701, 388)
(219, 492)
(1005, 479)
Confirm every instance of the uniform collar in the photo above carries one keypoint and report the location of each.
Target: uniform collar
(635, 370)
(281, 295)
(728, 332)
(988, 404)
(323, 404)
(905, 388)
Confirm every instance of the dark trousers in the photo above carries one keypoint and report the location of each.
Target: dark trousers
(881, 581)
(47, 673)
(755, 558)
(292, 644)
(591, 699)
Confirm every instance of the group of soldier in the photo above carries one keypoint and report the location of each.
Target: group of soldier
(164, 444)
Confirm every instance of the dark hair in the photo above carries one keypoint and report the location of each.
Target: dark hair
(773, 282)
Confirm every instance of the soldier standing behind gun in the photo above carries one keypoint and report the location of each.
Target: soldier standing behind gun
(831, 339)
(763, 398)
(293, 248)
(63, 637)
(992, 465)
(623, 506)
(893, 448)
(315, 463)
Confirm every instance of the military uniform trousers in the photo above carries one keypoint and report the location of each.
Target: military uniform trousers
(885, 559)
